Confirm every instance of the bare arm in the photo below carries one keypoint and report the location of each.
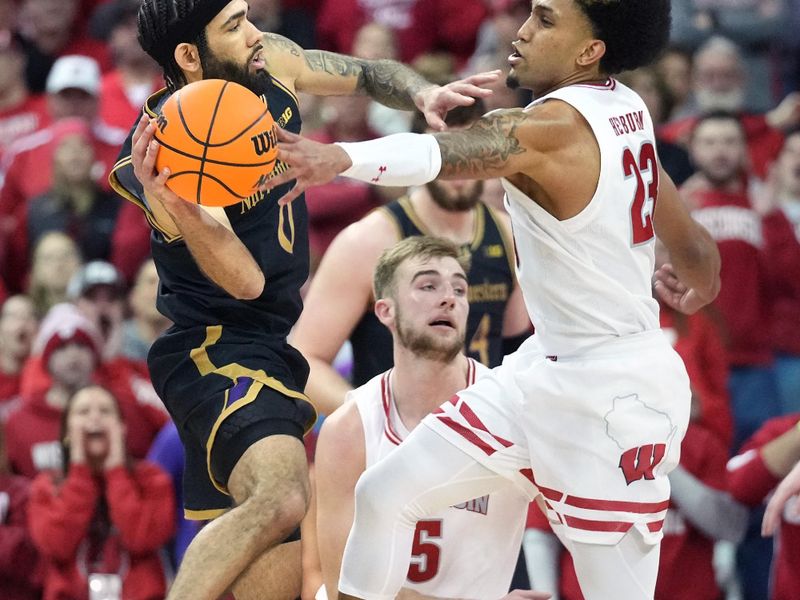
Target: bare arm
(691, 280)
(340, 460)
(207, 232)
(335, 304)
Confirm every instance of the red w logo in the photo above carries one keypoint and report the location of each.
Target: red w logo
(638, 463)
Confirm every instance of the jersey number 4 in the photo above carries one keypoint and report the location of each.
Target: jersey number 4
(425, 553)
(641, 210)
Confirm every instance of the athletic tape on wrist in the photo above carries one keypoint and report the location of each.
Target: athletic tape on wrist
(400, 159)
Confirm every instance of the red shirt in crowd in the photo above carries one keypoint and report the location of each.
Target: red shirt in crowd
(20, 575)
(32, 430)
(23, 119)
(116, 109)
(141, 506)
(9, 394)
(782, 247)
(743, 300)
(763, 142)
(749, 481)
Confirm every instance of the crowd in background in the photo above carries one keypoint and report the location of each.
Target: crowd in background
(78, 288)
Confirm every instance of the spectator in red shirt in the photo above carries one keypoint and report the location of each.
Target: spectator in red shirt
(49, 29)
(720, 199)
(100, 519)
(73, 89)
(755, 472)
(779, 202)
(17, 328)
(135, 75)
(719, 84)
(21, 113)
(20, 575)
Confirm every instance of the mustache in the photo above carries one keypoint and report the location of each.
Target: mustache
(256, 51)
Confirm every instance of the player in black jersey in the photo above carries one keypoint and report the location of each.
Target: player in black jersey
(338, 308)
(230, 280)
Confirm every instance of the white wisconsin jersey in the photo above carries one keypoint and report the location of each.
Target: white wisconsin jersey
(588, 278)
(468, 551)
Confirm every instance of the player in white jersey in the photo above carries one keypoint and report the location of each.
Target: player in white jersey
(589, 414)
(468, 550)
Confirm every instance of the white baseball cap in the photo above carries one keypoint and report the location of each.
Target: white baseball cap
(74, 72)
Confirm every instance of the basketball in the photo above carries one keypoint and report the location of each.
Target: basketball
(217, 140)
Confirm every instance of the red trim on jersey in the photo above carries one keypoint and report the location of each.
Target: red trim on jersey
(473, 420)
(386, 398)
(591, 525)
(611, 84)
(548, 493)
(617, 505)
(655, 526)
(468, 434)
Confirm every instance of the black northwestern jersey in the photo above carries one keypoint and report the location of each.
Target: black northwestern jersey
(491, 280)
(277, 237)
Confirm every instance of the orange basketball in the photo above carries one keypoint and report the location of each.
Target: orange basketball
(217, 140)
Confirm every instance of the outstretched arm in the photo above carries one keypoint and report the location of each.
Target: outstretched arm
(386, 81)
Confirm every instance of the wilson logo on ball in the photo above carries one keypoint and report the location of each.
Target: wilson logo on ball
(161, 123)
(264, 142)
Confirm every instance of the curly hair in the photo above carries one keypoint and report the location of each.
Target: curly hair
(635, 32)
(155, 19)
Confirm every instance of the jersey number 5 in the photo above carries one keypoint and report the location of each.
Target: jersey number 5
(424, 553)
(641, 211)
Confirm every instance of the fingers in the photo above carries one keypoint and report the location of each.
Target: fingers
(770, 522)
(287, 136)
(484, 77)
(140, 127)
(470, 91)
(435, 121)
(285, 177)
(292, 194)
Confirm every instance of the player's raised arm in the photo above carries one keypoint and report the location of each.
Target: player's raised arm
(389, 82)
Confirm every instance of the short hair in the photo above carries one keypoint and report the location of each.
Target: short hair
(635, 32)
(155, 21)
(460, 116)
(417, 246)
(718, 44)
(718, 115)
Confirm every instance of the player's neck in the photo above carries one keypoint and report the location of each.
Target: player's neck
(456, 226)
(420, 385)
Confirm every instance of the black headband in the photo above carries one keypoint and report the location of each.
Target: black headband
(188, 28)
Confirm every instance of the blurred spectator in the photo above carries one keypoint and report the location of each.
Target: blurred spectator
(66, 335)
(56, 259)
(277, 16)
(421, 26)
(675, 68)
(333, 206)
(779, 202)
(753, 474)
(72, 91)
(755, 25)
(722, 204)
(719, 196)
(17, 329)
(145, 323)
(21, 113)
(135, 75)
(20, 572)
(167, 452)
(100, 519)
(719, 81)
(47, 31)
(648, 83)
(498, 30)
(74, 205)
(70, 349)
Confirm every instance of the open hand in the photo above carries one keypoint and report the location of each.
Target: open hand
(435, 102)
(674, 293)
(787, 488)
(310, 163)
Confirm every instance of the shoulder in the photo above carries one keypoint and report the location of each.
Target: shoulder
(285, 58)
(341, 438)
(364, 240)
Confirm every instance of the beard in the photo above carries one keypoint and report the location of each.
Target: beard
(427, 346)
(459, 202)
(215, 67)
(721, 177)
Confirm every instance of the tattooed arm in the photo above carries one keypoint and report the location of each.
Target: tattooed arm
(386, 81)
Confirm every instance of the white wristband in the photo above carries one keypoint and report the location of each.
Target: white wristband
(401, 159)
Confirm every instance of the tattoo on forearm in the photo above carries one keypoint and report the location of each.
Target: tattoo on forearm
(484, 148)
(386, 81)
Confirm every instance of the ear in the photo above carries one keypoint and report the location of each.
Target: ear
(592, 53)
(188, 59)
(384, 310)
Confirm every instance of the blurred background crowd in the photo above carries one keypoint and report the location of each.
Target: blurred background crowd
(78, 288)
